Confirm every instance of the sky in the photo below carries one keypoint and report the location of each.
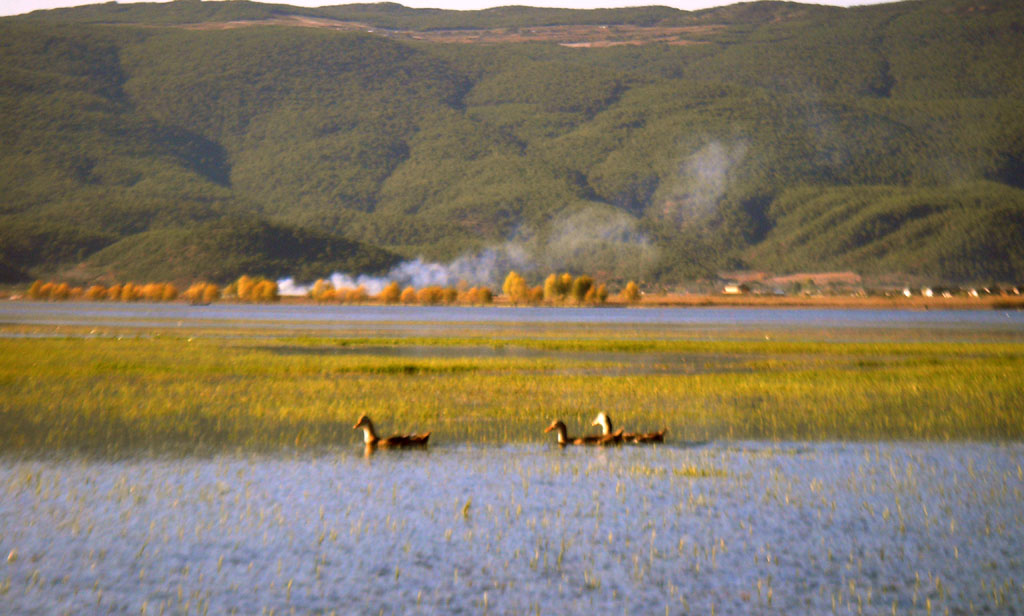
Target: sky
(15, 7)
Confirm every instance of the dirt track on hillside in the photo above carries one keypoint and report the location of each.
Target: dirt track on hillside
(567, 35)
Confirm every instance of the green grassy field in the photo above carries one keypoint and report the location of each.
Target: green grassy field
(244, 389)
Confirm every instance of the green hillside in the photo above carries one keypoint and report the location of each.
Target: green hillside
(227, 248)
(160, 141)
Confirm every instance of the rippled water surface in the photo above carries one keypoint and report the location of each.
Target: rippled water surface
(320, 317)
(730, 527)
(681, 528)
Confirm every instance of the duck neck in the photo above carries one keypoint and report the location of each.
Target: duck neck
(606, 425)
(563, 438)
(369, 436)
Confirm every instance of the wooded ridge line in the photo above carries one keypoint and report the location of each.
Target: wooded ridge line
(168, 142)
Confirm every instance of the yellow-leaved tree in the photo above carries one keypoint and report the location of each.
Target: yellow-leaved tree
(265, 292)
(631, 293)
(477, 296)
(321, 290)
(202, 293)
(564, 284)
(515, 288)
(535, 295)
(430, 295)
(153, 291)
(551, 285)
(580, 287)
(391, 294)
(211, 293)
(61, 292)
(131, 292)
(358, 295)
(243, 288)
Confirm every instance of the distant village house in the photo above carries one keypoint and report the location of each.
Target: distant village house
(735, 288)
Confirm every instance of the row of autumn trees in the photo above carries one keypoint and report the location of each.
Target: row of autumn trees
(128, 292)
(558, 289)
(246, 289)
(561, 289)
(393, 293)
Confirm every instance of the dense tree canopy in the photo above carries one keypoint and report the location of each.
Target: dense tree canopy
(152, 141)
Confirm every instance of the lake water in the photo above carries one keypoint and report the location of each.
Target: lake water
(720, 528)
(329, 317)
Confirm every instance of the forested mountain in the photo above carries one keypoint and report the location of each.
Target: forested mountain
(209, 139)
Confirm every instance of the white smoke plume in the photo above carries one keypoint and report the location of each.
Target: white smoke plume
(487, 267)
(596, 240)
(703, 179)
(373, 284)
(593, 239)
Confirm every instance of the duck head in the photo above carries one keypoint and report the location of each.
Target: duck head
(604, 421)
(369, 434)
(560, 427)
(555, 425)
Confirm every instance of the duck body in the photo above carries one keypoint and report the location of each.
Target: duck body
(639, 438)
(404, 440)
(649, 437)
(370, 438)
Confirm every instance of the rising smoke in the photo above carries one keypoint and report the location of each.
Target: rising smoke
(702, 181)
(594, 239)
(597, 240)
(482, 268)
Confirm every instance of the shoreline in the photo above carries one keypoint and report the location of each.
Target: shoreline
(828, 301)
(681, 301)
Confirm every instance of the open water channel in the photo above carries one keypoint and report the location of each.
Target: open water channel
(101, 314)
(727, 528)
(680, 528)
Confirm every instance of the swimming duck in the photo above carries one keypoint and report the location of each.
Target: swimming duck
(605, 421)
(371, 439)
(613, 438)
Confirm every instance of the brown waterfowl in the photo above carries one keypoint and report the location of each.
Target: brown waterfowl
(605, 421)
(564, 439)
(649, 437)
(371, 439)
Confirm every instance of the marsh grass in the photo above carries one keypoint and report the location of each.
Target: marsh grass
(160, 391)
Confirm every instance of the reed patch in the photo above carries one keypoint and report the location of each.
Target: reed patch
(252, 390)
